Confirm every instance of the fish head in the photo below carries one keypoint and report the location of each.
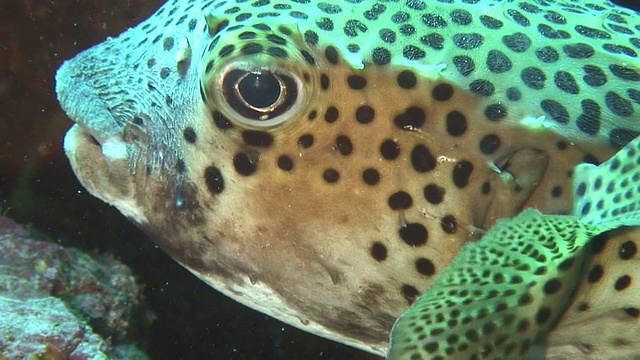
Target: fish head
(318, 162)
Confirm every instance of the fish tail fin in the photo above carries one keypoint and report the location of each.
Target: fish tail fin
(608, 196)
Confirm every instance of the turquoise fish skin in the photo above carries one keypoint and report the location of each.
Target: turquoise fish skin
(323, 162)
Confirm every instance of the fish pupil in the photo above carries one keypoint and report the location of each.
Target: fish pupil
(260, 90)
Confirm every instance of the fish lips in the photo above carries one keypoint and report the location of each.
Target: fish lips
(103, 169)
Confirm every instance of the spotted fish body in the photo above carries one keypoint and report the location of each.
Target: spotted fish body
(323, 162)
(504, 293)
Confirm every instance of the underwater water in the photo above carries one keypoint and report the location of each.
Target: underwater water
(38, 189)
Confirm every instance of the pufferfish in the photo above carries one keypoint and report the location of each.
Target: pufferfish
(504, 293)
(324, 161)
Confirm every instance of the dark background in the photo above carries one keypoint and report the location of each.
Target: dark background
(38, 188)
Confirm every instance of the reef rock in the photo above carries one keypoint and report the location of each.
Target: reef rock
(59, 303)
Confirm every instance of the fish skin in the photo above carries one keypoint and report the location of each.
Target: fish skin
(597, 326)
(152, 138)
(540, 260)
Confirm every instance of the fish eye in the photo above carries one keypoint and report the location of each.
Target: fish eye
(258, 91)
(260, 96)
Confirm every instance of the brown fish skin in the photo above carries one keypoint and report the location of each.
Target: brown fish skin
(336, 235)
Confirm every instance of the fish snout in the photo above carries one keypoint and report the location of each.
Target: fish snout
(98, 146)
(78, 85)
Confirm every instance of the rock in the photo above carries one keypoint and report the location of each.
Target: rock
(60, 303)
(45, 329)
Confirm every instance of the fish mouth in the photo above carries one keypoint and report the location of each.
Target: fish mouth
(95, 145)
(80, 142)
(96, 139)
(102, 167)
(95, 135)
